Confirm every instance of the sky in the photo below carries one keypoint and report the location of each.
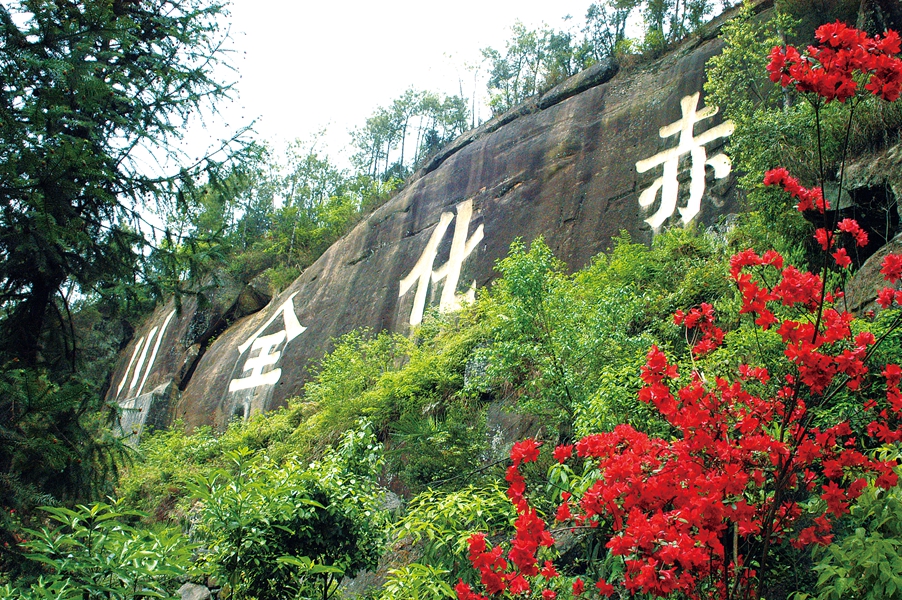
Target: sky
(304, 67)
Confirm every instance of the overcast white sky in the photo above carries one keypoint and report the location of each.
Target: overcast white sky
(306, 66)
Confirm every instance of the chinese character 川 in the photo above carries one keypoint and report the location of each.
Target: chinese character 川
(695, 147)
(422, 272)
(143, 346)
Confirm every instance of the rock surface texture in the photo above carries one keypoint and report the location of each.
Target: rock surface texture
(605, 152)
(164, 352)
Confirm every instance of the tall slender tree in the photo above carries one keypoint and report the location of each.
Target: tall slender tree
(92, 92)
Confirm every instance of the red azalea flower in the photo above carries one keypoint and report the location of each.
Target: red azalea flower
(562, 453)
(605, 588)
(524, 452)
(578, 587)
(851, 227)
(548, 571)
(824, 238)
(891, 268)
(842, 258)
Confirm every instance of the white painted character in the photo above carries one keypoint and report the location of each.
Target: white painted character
(422, 272)
(155, 338)
(266, 350)
(690, 144)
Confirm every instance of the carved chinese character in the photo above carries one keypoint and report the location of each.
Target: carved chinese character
(690, 144)
(266, 350)
(422, 272)
(142, 347)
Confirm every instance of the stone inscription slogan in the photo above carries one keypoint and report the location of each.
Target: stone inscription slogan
(137, 362)
(266, 350)
(423, 271)
(693, 145)
(261, 352)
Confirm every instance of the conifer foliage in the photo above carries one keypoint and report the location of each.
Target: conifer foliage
(94, 93)
(93, 97)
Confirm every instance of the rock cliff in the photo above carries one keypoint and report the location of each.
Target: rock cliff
(604, 152)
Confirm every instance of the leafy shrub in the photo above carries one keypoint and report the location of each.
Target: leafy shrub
(866, 564)
(415, 581)
(272, 528)
(568, 347)
(95, 553)
(441, 522)
(56, 448)
(439, 449)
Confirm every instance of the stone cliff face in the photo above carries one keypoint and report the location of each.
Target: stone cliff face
(636, 151)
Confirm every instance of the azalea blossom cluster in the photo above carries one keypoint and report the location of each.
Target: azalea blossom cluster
(740, 471)
(813, 200)
(498, 574)
(747, 468)
(808, 199)
(829, 68)
(702, 320)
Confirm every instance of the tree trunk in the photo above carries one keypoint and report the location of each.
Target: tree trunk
(21, 337)
(403, 139)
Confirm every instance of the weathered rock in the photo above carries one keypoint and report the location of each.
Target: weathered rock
(877, 16)
(882, 169)
(164, 351)
(861, 290)
(361, 585)
(150, 409)
(602, 153)
(193, 591)
(504, 426)
(872, 195)
(874, 182)
(569, 172)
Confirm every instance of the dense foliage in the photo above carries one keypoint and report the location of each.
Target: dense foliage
(748, 465)
(535, 60)
(669, 454)
(268, 216)
(273, 530)
(97, 552)
(89, 90)
(397, 139)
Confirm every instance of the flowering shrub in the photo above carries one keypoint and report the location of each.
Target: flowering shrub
(748, 468)
(829, 70)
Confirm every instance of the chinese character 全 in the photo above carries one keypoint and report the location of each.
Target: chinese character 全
(266, 350)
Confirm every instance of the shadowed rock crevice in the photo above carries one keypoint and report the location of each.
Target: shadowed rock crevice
(251, 300)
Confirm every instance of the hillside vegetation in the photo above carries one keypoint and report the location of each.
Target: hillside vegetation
(696, 418)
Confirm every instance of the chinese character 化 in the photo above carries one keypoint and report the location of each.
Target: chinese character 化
(422, 272)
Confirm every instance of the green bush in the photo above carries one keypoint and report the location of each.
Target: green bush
(568, 347)
(867, 563)
(439, 523)
(406, 387)
(288, 530)
(415, 581)
(94, 552)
